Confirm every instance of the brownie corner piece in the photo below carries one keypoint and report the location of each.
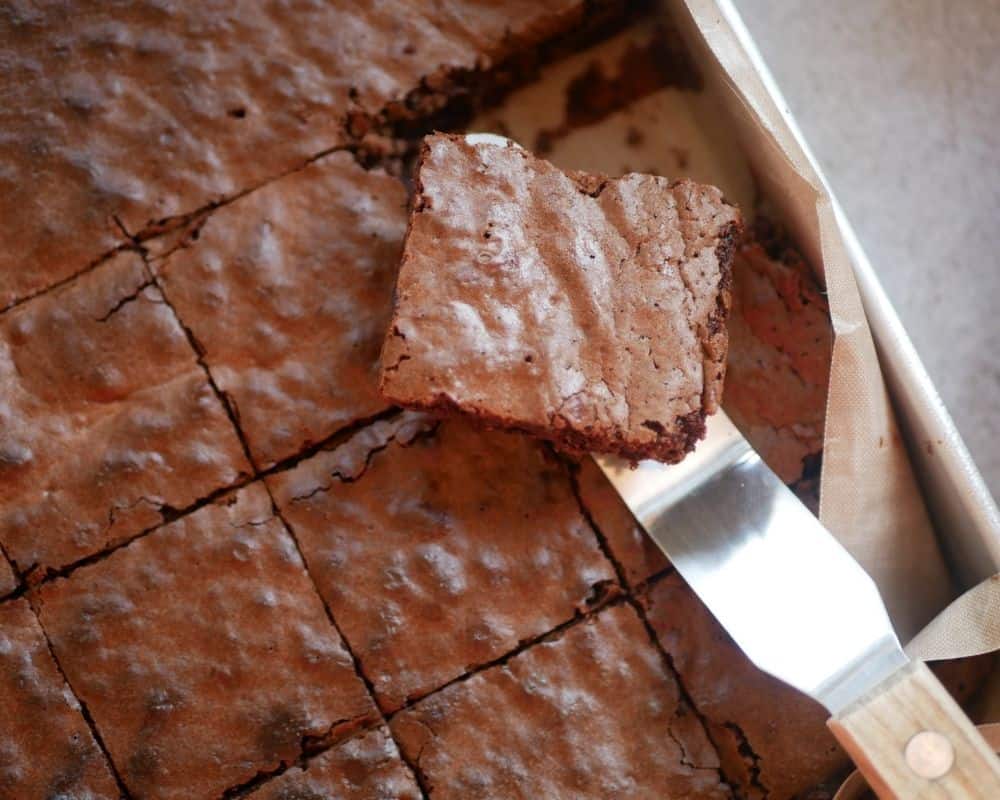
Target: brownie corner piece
(587, 310)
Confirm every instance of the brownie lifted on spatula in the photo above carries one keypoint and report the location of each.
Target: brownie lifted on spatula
(583, 309)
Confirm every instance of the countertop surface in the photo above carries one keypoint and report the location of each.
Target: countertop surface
(900, 102)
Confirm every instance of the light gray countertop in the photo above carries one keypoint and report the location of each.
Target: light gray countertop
(900, 102)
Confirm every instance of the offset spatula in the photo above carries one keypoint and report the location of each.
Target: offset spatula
(805, 611)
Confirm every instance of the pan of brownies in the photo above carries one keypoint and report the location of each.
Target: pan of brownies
(231, 565)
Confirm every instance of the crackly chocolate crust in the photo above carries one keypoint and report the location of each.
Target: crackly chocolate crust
(498, 309)
(591, 712)
(365, 767)
(108, 425)
(203, 652)
(288, 292)
(46, 748)
(120, 120)
(439, 547)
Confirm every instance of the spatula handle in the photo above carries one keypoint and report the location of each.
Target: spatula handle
(911, 741)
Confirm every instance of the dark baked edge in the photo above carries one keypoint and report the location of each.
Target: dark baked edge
(449, 96)
(717, 343)
(669, 448)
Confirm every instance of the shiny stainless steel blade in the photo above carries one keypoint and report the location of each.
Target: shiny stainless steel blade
(789, 594)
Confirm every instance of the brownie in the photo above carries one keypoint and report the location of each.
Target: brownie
(117, 117)
(586, 310)
(288, 292)
(590, 713)
(780, 349)
(107, 422)
(46, 749)
(203, 651)
(366, 767)
(772, 739)
(439, 547)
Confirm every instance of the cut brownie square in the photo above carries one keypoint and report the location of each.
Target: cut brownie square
(366, 767)
(587, 310)
(203, 651)
(288, 291)
(773, 740)
(780, 349)
(208, 99)
(46, 749)
(590, 713)
(440, 548)
(106, 419)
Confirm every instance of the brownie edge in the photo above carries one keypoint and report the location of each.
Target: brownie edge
(586, 310)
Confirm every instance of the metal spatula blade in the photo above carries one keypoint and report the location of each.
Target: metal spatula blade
(788, 593)
(804, 610)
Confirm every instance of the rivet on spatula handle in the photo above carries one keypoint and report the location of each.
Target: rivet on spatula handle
(930, 755)
(912, 741)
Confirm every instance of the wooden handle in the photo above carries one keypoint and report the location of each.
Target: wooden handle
(911, 741)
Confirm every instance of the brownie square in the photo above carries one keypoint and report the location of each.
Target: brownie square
(203, 651)
(46, 749)
(773, 740)
(590, 713)
(366, 767)
(780, 349)
(288, 291)
(205, 100)
(106, 420)
(439, 547)
(583, 309)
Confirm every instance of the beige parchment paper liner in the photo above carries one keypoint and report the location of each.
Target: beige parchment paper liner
(869, 496)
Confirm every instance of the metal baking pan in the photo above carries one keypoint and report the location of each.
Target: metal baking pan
(965, 514)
